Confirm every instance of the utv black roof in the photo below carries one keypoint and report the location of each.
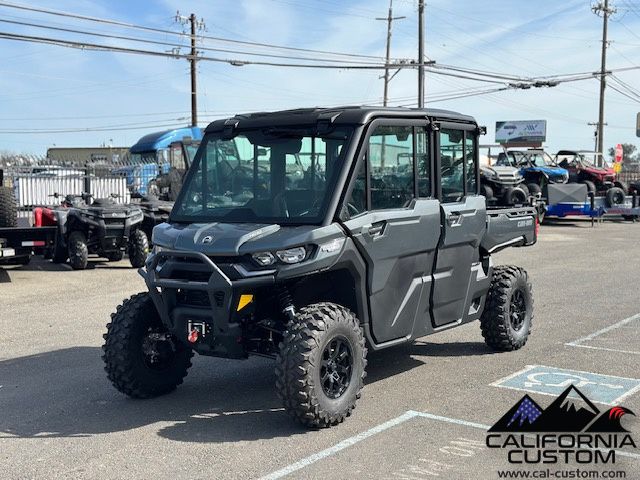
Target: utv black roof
(336, 115)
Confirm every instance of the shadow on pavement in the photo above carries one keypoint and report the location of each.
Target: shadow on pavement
(65, 393)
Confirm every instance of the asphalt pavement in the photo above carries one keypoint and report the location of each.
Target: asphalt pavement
(424, 410)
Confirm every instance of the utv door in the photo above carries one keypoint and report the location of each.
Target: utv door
(396, 233)
(463, 224)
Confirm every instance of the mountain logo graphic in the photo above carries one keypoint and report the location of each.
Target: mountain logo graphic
(572, 411)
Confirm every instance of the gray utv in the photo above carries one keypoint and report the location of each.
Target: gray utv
(311, 236)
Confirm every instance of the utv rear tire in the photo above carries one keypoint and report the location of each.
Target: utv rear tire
(321, 365)
(8, 208)
(622, 186)
(138, 248)
(615, 196)
(78, 251)
(534, 189)
(134, 371)
(508, 312)
(515, 196)
(591, 187)
(486, 191)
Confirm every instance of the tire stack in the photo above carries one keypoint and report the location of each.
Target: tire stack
(8, 208)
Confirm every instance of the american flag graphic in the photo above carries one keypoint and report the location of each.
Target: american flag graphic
(527, 411)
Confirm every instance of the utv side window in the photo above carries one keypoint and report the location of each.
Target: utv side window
(452, 165)
(391, 167)
(423, 162)
(357, 201)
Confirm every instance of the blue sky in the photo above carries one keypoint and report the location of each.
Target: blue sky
(49, 87)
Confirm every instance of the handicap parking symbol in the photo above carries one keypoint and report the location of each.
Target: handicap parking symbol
(605, 389)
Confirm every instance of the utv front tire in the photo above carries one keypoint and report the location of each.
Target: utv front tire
(141, 358)
(138, 248)
(321, 365)
(78, 251)
(508, 313)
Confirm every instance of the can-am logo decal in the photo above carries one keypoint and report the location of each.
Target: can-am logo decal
(571, 429)
(207, 240)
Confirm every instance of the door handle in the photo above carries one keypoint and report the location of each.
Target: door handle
(376, 229)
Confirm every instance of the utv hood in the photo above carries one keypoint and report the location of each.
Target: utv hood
(233, 239)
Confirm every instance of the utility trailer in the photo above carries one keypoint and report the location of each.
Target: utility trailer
(17, 244)
(574, 199)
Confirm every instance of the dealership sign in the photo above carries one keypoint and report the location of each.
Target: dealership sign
(526, 131)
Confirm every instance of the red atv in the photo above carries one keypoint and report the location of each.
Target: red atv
(592, 170)
(55, 217)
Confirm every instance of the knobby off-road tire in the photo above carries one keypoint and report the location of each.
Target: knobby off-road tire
(8, 208)
(615, 196)
(486, 191)
(591, 187)
(78, 251)
(313, 351)
(138, 248)
(141, 359)
(514, 196)
(508, 313)
(534, 188)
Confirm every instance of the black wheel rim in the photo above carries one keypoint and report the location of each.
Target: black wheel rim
(517, 310)
(336, 367)
(158, 349)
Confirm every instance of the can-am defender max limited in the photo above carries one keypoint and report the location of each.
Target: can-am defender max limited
(377, 242)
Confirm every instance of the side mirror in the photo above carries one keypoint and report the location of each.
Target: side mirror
(187, 140)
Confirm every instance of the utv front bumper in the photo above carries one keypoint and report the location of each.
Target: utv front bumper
(192, 292)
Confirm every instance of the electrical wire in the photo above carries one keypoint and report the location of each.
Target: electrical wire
(170, 44)
(172, 32)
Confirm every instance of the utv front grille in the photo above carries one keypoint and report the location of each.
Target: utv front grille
(198, 298)
(193, 298)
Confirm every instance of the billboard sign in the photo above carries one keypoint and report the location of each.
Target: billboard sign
(521, 131)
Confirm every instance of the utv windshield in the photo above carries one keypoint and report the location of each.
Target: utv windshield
(271, 175)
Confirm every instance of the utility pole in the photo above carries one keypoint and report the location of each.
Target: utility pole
(420, 53)
(606, 11)
(390, 18)
(193, 58)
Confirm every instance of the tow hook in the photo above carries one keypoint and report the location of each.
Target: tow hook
(194, 336)
(196, 331)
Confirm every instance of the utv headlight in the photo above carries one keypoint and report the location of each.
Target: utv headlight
(292, 255)
(264, 259)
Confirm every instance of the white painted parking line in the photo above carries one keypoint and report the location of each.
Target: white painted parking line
(581, 341)
(311, 459)
(339, 446)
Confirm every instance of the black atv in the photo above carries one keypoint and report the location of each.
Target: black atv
(155, 212)
(105, 228)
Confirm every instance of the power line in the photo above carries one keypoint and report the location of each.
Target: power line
(170, 44)
(172, 32)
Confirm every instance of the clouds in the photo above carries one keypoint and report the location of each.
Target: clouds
(516, 37)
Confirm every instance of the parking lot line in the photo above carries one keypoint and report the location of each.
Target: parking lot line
(339, 446)
(408, 415)
(581, 341)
